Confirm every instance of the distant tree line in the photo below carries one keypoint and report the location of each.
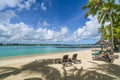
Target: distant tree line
(55, 45)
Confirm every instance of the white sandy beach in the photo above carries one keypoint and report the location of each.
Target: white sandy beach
(51, 71)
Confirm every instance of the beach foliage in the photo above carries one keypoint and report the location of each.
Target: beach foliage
(106, 11)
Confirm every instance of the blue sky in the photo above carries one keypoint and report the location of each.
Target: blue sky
(46, 21)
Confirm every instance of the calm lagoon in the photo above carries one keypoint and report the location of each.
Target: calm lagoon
(8, 51)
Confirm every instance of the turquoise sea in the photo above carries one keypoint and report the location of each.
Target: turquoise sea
(8, 51)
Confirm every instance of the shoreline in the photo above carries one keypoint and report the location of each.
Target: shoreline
(34, 62)
(20, 60)
(40, 54)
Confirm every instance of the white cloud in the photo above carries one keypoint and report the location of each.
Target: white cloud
(49, 35)
(22, 33)
(6, 16)
(8, 3)
(43, 7)
(45, 4)
(90, 30)
(64, 31)
(45, 23)
(78, 33)
(18, 32)
(28, 3)
(20, 4)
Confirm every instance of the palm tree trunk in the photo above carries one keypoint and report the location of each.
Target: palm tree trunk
(111, 33)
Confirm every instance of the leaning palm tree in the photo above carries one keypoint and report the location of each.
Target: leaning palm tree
(105, 10)
(108, 10)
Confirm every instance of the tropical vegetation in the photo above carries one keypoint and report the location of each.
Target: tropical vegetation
(107, 11)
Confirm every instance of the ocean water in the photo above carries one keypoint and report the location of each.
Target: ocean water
(8, 51)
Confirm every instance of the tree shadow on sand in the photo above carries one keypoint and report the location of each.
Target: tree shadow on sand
(41, 66)
(81, 74)
(50, 73)
(7, 71)
(110, 68)
(35, 78)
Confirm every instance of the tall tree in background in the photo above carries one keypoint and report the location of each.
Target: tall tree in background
(105, 9)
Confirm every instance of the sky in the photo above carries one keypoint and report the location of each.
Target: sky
(47, 21)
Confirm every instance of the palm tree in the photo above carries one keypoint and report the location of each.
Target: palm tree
(103, 32)
(105, 10)
(116, 28)
(93, 6)
(109, 9)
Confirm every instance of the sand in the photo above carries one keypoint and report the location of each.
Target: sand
(42, 67)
